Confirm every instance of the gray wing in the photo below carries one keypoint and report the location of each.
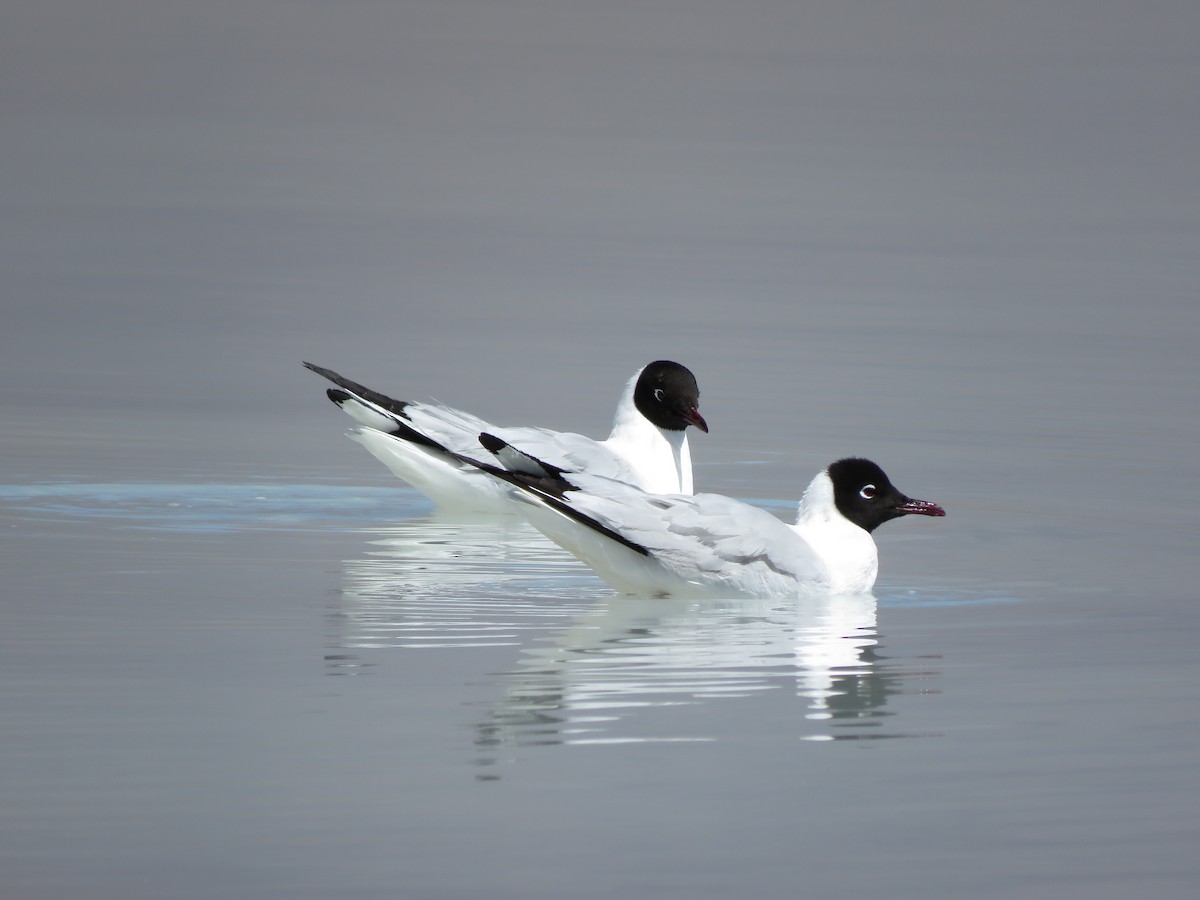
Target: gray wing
(446, 428)
(570, 452)
(704, 532)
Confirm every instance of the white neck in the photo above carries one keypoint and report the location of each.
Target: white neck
(662, 457)
(848, 551)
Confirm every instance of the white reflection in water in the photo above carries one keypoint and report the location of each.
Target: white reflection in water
(595, 668)
(594, 681)
(442, 583)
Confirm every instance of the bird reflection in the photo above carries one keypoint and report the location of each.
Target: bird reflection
(590, 667)
(448, 582)
(595, 681)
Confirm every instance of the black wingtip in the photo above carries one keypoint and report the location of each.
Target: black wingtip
(413, 436)
(322, 371)
(491, 443)
(549, 476)
(550, 488)
(383, 401)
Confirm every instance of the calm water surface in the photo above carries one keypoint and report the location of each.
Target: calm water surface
(319, 690)
(238, 659)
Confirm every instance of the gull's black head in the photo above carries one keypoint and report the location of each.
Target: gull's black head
(666, 393)
(863, 494)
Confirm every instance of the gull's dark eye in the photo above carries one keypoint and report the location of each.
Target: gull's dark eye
(867, 492)
(658, 394)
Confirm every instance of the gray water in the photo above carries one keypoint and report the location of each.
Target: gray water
(238, 658)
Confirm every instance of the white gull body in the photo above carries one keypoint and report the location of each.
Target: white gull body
(710, 545)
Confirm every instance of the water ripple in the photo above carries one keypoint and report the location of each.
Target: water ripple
(211, 508)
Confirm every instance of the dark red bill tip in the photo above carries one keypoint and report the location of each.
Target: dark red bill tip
(921, 508)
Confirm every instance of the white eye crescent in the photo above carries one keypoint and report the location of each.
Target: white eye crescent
(658, 394)
(867, 492)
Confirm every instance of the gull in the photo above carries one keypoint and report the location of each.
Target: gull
(656, 544)
(436, 449)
